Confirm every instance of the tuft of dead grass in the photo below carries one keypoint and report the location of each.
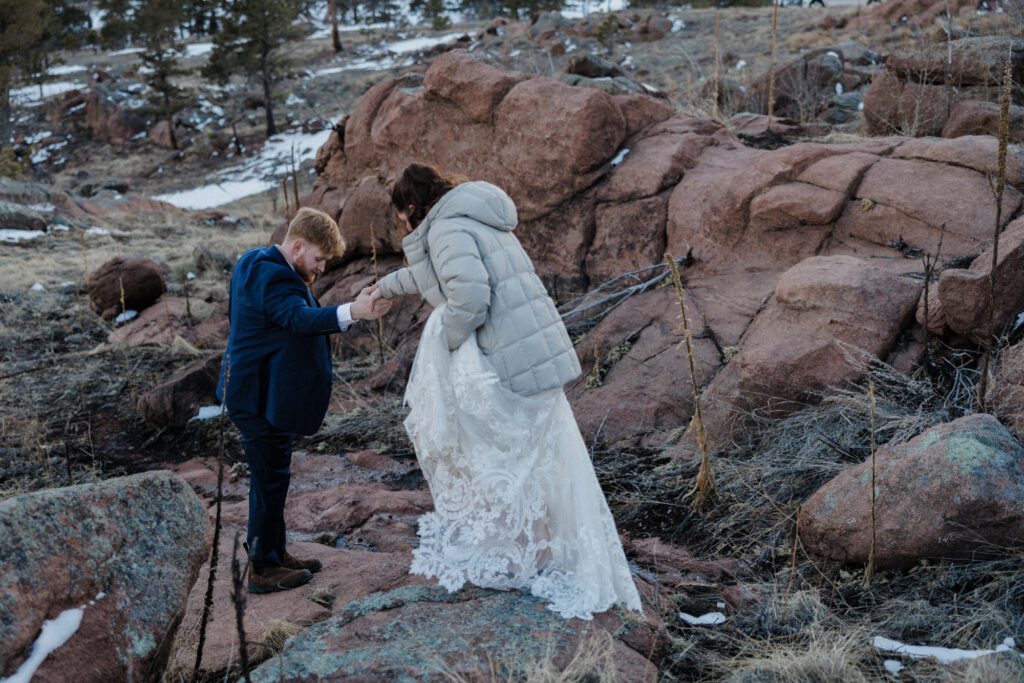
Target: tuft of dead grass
(274, 638)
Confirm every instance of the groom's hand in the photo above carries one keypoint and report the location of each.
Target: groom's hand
(369, 305)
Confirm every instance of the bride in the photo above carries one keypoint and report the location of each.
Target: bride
(517, 503)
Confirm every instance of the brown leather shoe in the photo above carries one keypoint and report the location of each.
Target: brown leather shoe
(292, 562)
(272, 579)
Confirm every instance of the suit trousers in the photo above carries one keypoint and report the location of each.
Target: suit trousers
(268, 452)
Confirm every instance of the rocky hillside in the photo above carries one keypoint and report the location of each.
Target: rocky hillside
(841, 280)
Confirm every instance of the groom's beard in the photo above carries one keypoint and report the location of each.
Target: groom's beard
(308, 275)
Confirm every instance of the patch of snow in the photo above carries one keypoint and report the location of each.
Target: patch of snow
(125, 316)
(582, 9)
(740, 64)
(860, 106)
(198, 49)
(55, 227)
(839, 88)
(709, 619)
(620, 156)
(55, 633)
(207, 413)
(97, 231)
(400, 47)
(37, 137)
(1019, 320)
(892, 666)
(190, 275)
(37, 287)
(217, 194)
(15, 236)
(649, 88)
(832, 53)
(97, 18)
(127, 51)
(294, 100)
(945, 655)
(46, 208)
(628, 61)
(65, 69)
(677, 24)
(29, 95)
(720, 605)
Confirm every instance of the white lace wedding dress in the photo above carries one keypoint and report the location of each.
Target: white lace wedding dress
(517, 504)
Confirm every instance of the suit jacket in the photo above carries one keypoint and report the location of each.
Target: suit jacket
(277, 363)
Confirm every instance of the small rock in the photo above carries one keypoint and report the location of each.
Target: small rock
(174, 402)
(125, 283)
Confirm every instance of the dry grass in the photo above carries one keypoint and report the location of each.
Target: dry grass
(323, 595)
(593, 662)
(274, 638)
(827, 657)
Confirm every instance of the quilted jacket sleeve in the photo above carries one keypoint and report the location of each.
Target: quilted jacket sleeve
(460, 269)
(398, 283)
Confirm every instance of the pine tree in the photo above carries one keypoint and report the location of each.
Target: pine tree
(155, 23)
(21, 26)
(332, 10)
(117, 23)
(250, 43)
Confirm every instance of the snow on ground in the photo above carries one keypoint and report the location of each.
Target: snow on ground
(255, 175)
(198, 49)
(208, 413)
(126, 51)
(29, 95)
(386, 55)
(945, 655)
(65, 69)
(55, 633)
(585, 7)
(15, 236)
(709, 619)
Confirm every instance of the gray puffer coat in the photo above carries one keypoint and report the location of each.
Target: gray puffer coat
(464, 254)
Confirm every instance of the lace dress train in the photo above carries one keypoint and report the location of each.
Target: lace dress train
(517, 503)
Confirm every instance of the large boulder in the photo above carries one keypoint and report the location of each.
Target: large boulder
(802, 86)
(121, 284)
(109, 118)
(920, 88)
(175, 400)
(158, 324)
(462, 635)
(974, 117)
(955, 491)
(798, 346)
(120, 555)
(963, 295)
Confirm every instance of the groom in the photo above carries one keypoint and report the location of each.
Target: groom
(276, 376)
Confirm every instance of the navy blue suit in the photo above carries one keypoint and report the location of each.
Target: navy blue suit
(275, 382)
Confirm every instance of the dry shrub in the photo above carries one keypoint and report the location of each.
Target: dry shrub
(830, 657)
(593, 662)
(274, 638)
(1004, 667)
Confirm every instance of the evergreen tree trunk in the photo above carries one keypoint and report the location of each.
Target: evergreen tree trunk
(5, 107)
(268, 104)
(332, 7)
(170, 121)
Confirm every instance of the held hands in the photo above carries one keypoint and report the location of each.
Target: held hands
(370, 304)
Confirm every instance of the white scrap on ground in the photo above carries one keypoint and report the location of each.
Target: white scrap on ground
(207, 413)
(620, 157)
(125, 316)
(893, 666)
(945, 655)
(709, 619)
(37, 287)
(55, 633)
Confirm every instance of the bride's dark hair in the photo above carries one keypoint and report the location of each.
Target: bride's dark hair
(420, 186)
